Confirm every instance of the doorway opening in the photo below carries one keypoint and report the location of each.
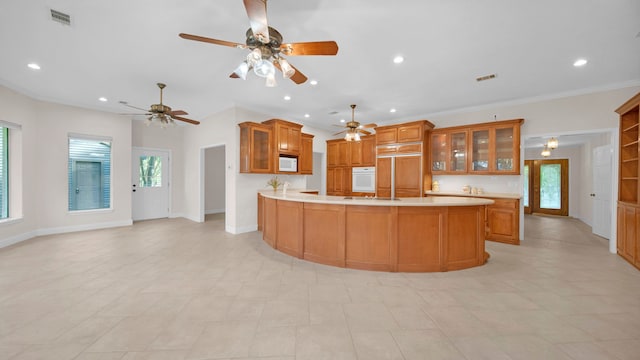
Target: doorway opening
(214, 184)
(546, 187)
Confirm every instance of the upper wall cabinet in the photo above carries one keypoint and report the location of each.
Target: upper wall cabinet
(262, 144)
(255, 148)
(403, 133)
(487, 148)
(287, 136)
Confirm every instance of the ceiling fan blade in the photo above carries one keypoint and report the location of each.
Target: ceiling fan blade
(133, 107)
(178, 112)
(338, 133)
(257, 13)
(364, 132)
(146, 114)
(234, 75)
(212, 41)
(194, 122)
(310, 48)
(372, 125)
(297, 77)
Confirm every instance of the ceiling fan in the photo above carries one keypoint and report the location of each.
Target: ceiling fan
(267, 48)
(353, 128)
(162, 114)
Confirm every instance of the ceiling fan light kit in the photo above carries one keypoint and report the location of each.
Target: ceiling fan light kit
(267, 48)
(353, 128)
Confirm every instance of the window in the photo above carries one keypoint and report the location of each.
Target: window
(4, 172)
(150, 171)
(89, 173)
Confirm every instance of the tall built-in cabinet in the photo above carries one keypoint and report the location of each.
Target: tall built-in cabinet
(342, 157)
(628, 229)
(262, 144)
(402, 159)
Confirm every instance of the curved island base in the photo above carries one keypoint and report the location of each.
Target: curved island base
(408, 235)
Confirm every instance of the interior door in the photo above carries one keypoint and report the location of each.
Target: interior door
(150, 184)
(551, 187)
(601, 195)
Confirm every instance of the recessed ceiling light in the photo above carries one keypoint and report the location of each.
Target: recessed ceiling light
(580, 62)
(287, 97)
(398, 59)
(33, 66)
(341, 120)
(103, 99)
(392, 110)
(307, 115)
(313, 82)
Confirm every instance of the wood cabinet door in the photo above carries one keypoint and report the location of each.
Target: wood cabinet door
(355, 153)
(331, 185)
(502, 221)
(340, 180)
(368, 151)
(306, 155)
(332, 153)
(630, 233)
(386, 136)
(255, 149)
(410, 133)
(621, 241)
(343, 153)
(383, 177)
(439, 152)
(408, 176)
(288, 139)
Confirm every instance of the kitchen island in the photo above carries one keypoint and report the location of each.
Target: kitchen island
(404, 234)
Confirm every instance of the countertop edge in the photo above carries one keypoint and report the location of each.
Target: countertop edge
(483, 195)
(299, 196)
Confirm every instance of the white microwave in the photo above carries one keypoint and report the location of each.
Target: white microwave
(288, 164)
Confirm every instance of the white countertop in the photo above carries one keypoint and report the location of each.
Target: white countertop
(296, 195)
(483, 195)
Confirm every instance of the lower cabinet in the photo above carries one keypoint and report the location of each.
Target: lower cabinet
(503, 220)
(338, 181)
(628, 237)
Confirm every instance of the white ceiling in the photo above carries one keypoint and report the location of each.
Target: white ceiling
(120, 49)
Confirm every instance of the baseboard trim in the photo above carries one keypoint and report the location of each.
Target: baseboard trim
(17, 239)
(214, 211)
(61, 230)
(85, 227)
(241, 229)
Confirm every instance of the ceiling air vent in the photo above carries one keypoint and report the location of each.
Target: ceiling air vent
(486, 77)
(60, 17)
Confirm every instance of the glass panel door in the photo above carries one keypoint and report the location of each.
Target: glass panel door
(480, 150)
(528, 186)
(504, 149)
(551, 187)
(458, 153)
(439, 152)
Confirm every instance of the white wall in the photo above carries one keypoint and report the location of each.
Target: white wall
(172, 139)
(241, 194)
(214, 188)
(44, 160)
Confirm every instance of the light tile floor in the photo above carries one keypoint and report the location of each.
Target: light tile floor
(174, 289)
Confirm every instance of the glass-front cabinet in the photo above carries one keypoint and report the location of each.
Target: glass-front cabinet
(487, 148)
(458, 151)
(480, 150)
(439, 152)
(255, 148)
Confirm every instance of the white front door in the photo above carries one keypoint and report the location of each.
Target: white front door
(601, 195)
(150, 184)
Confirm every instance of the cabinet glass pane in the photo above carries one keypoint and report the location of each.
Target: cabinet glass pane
(504, 149)
(260, 149)
(480, 150)
(439, 152)
(526, 186)
(458, 152)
